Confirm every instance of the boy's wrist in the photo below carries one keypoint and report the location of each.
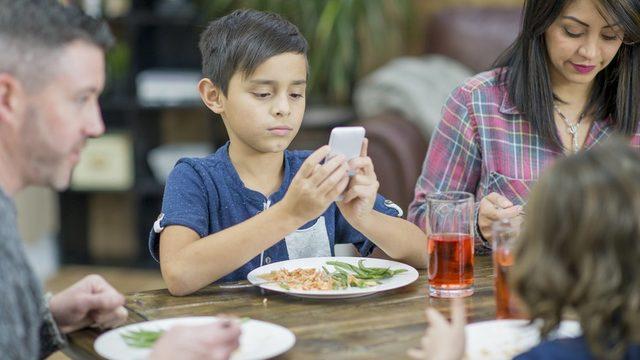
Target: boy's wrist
(362, 222)
(289, 218)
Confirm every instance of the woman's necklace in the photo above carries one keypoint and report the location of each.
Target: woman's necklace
(572, 129)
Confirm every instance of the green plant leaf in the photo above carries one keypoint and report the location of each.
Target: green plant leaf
(346, 38)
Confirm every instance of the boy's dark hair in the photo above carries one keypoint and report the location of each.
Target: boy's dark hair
(243, 40)
(32, 31)
(579, 250)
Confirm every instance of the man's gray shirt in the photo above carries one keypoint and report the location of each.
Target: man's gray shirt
(27, 330)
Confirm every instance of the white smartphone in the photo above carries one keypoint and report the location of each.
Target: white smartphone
(347, 141)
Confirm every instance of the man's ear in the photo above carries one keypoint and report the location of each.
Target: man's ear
(211, 95)
(11, 91)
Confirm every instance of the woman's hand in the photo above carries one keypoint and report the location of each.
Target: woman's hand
(495, 207)
(443, 340)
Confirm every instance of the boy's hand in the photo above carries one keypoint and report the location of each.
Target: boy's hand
(362, 189)
(316, 186)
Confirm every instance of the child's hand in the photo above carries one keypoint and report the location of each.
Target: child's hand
(362, 190)
(316, 186)
(443, 340)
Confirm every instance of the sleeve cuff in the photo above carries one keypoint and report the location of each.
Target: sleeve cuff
(482, 245)
(52, 339)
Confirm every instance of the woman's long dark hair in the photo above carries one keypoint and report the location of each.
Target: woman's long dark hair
(616, 91)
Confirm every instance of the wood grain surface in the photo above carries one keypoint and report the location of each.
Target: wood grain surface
(380, 326)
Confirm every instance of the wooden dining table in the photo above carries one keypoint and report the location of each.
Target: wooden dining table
(379, 326)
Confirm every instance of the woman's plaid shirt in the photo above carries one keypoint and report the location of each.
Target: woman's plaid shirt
(483, 145)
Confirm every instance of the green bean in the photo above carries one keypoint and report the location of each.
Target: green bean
(339, 265)
(365, 273)
(346, 266)
(340, 280)
(370, 270)
(141, 338)
(147, 338)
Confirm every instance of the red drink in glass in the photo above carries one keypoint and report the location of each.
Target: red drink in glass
(507, 304)
(449, 225)
(450, 261)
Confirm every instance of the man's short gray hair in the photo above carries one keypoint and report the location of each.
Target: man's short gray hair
(32, 32)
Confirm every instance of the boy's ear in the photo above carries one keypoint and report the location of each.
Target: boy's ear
(10, 93)
(211, 95)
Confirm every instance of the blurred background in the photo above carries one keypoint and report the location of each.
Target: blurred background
(387, 65)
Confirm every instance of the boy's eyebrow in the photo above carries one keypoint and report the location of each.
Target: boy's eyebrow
(272, 82)
(584, 23)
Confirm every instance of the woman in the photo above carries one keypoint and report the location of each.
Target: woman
(569, 81)
(579, 253)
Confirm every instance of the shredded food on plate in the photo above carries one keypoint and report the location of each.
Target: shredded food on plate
(345, 275)
(301, 279)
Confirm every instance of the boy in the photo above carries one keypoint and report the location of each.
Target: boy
(253, 202)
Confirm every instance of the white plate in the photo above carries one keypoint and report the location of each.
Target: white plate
(394, 282)
(504, 339)
(259, 339)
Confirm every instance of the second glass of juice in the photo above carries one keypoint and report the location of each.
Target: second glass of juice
(505, 234)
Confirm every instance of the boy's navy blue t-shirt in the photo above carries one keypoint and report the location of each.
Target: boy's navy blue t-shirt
(207, 196)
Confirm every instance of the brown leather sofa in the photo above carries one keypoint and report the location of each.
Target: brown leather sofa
(474, 37)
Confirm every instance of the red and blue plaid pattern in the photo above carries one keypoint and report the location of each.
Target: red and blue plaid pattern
(483, 145)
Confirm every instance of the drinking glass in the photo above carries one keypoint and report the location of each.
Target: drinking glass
(505, 234)
(450, 226)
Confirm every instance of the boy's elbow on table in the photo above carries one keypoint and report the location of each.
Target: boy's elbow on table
(417, 260)
(416, 242)
(176, 280)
